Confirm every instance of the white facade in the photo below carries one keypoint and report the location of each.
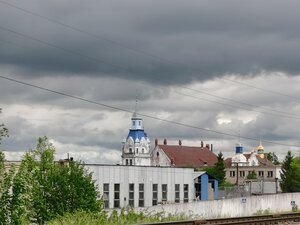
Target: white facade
(159, 157)
(136, 147)
(123, 186)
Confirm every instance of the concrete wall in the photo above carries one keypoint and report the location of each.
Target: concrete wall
(230, 207)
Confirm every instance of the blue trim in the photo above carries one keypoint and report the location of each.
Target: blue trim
(216, 190)
(204, 187)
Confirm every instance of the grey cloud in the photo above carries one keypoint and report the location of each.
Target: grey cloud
(191, 40)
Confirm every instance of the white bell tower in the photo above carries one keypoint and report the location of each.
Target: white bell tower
(136, 147)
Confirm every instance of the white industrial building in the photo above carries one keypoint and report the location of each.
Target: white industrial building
(144, 186)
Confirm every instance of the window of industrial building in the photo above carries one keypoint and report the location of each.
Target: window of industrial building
(260, 173)
(242, 173)
(131, 195)
(154, 194)
(164, 189)
(116, 195)
(177, 193)
(106, 195)
(232, 173)
(141, 195)
(270, 173)
(185, 193)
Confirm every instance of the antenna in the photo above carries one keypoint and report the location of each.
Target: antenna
(260, 140)
(136, 101)
(239, 133)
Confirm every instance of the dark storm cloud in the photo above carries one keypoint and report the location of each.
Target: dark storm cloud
(172, 41)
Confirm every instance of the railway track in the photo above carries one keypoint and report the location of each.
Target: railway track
(286, 218)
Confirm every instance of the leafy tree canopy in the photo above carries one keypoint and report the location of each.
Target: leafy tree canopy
(252, 175)
(3, 130)
(290, 175)
(271, 156)
(218, 170)
(43, 189)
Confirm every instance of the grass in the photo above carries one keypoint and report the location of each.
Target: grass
(125, 217)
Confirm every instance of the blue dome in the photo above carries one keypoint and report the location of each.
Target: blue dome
(137, 134)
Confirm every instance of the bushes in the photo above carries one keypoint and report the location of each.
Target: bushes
(125, 217)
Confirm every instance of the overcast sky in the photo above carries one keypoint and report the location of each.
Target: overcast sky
(225, 66)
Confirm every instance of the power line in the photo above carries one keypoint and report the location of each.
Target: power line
(114, 65)
(130, 48)
(85, 32)
(138, 51)
(63, 48)
(235, 107)
(241, 103)
(261, 89)
(124, 69)
(141, 114)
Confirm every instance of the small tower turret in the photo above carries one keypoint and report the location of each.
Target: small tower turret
(260, 150)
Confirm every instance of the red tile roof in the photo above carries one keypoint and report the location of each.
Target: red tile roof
(265, 162)
(185, 156)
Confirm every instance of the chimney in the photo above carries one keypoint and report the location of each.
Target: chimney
(207, 146)
(172, 162)
(156, 142)
(202, 144)
(211, 147)
(165, 141)
(179, 142)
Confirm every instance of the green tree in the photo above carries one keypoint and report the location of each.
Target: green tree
(296, 171)
(44, 189)
(3, 130)
(288, 175)
(22, 200)
(252, 175)
(272, 157)
(5, 182)
(218, 170)
(6, 178)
